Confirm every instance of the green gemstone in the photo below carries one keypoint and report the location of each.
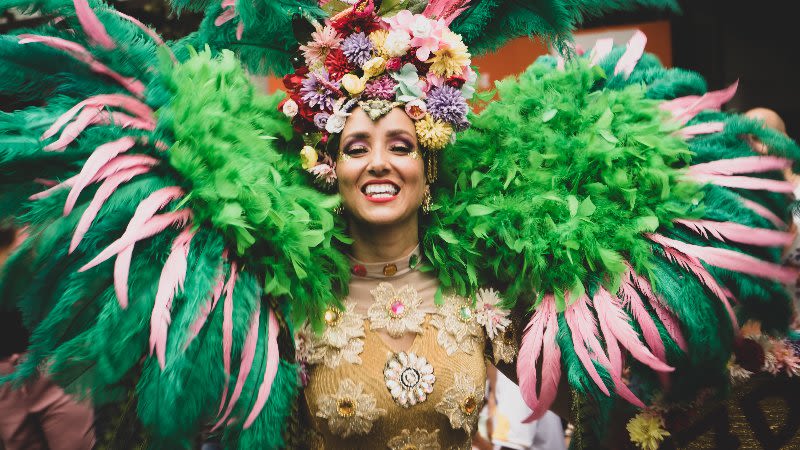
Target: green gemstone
(413, 261)
(465, 313)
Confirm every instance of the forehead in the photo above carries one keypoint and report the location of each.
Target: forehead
(395, 121)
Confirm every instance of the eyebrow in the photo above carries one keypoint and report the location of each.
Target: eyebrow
(366, 134)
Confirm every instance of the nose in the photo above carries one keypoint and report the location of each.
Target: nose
(378, 164)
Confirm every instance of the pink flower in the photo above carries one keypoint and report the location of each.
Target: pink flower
(425, 33)
(323, 40)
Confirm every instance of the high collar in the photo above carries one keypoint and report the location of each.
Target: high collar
(386, 269)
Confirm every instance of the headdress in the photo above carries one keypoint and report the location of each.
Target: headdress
(358, 58)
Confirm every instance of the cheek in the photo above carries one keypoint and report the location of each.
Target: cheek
(412, 171)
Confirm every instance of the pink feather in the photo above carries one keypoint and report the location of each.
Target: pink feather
(92, 26)
(130, 104)
(446, 10)
(102, 155)
(248, 354)
(729, 259)
(80, 53)
(613, 318)
(225, 16)
(533, 341)
(764, 212)
(632, 300)
(633, 53)
(206, 309)
(600, 50)
(529, 351)
(148, 31)
(683, 109)
(583, 328)
(173, 275)
(745, 164)
(694, 266)
(103, 193)
(227, 331)
(49, 191)
(273, 358)
(122, 267)
(750, 183)
(666, 316)
(735, 232)
(89, 116)
(701, 128)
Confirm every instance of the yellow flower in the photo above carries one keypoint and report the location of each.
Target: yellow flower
(353, 84)
(308, 157)
(374, 67)
(378, 38)
(433, 134)
(451, 59)
(647, 431)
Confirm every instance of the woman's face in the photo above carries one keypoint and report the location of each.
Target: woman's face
(380, 168)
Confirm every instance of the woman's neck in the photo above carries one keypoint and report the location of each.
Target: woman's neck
(383, 243)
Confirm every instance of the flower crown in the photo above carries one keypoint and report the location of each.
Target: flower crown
(357, 58)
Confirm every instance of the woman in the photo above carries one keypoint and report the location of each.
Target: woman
(568, 196)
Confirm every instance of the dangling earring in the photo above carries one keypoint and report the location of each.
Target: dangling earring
(426, 200)
(339, 210)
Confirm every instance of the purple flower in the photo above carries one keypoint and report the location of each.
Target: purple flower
(318, 89)
(320, 119)
(446, 103)
(358, 48)
(381, 88)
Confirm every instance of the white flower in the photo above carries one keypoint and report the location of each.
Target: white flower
(396, 310)
(416, 109)
(397, 43)
(494, 319)
(458, 329)
(290, 108)
(462, 403)
(341, 340)
(418, 439)
(421, 27)
(335, 123)
(409, 378)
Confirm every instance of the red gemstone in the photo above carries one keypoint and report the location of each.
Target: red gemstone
(397, 308)
(359, 270)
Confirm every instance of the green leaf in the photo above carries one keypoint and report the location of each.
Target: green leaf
(476, 210)
(587, 208)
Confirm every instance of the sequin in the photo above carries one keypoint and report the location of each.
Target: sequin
(396, 310)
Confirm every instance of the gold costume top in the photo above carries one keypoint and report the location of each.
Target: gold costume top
(394, 370)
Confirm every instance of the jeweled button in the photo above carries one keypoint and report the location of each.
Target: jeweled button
(389, 270)
(359, 270)
(397, 309)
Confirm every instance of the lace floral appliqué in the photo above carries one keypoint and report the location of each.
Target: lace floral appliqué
(418, 439)
(342, 339)
(462, 403)
(396, 310)
(458, 329)
(409, 378)
(349, 411)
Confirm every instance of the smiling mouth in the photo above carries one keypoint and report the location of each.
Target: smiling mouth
(380, 192)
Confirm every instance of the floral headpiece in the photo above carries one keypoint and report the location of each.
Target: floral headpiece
(357, 58)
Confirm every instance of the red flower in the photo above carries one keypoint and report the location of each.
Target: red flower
(294, 80)
(411, 57)
(337, 64)
(394, 64)
(455, 82)
(361, 18)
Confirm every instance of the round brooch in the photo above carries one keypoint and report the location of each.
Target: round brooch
(409, 378)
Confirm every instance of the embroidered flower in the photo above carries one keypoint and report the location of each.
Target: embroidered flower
(409, 378)
(349, 411)
(419, 440)
(462, 403)
(451, 58)
(342, 338)
(504, 347)
(304, 343)
(433, 134)
(488, 314)
(323, 40)
(458, 329)
(647, 431)
(396, 310)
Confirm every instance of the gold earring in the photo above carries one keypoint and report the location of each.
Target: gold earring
(426, 200)
(339, 210)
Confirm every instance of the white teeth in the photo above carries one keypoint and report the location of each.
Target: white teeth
(378, 190)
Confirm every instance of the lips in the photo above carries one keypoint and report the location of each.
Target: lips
(380, 191)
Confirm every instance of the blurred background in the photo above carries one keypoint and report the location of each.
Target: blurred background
(724, 40)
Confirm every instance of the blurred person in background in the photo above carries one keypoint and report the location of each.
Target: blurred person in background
(37, 415)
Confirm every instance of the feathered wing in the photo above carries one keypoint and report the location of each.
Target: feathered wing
(171, 245)
(621, 194)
